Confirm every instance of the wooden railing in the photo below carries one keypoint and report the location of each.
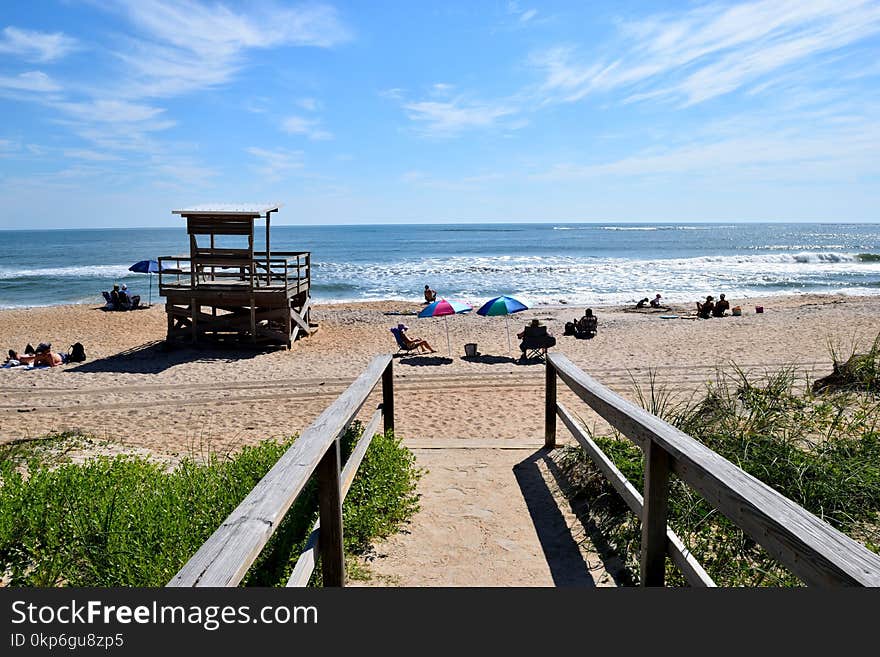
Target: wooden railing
(811, 549)
(224, 559)
(288, 270)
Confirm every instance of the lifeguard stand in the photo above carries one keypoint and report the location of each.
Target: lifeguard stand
(226, 291)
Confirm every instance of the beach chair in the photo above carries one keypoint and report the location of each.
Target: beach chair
(404, 348)
(535, 342)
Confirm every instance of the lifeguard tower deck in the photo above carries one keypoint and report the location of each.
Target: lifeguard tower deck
(225, 290)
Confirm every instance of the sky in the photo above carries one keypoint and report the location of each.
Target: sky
(115, 112)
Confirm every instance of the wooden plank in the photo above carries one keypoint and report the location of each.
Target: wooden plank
(654, 509)
(302, 571)
(693, 572)
(549, 406)
(812, 549)
(330, 512)
(225, 557)
(388, 396)
(298, 316)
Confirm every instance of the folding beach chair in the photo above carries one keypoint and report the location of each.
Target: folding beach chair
(403, 348)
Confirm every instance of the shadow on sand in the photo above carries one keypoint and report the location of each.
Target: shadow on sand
(489, 359)
(567, 565)
(153, 357)
(423, 361)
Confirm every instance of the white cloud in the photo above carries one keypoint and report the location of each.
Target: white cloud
(448, 118)
(35, 81)
(278, 163)
(191, 45)
(309, 104)
(394, 94)
(709, 50)
(114, 111)
(90, 155)
(523, 15)
(297, 125)
(736, 151)
(35, 46)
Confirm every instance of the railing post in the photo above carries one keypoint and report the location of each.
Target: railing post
(388, 397)
(656, 496)
(330, 513)
(550, 406)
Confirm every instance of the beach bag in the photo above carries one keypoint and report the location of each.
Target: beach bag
(737, 311)
(76, 353)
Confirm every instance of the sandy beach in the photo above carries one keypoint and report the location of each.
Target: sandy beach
(133, 391)
(466, 420)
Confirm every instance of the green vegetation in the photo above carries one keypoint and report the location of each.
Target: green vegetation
(127, 521)
(822, 451)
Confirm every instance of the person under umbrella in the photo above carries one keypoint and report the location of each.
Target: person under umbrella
(146, 267)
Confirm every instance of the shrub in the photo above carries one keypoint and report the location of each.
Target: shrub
(126, 521)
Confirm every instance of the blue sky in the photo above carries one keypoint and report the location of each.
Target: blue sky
(114, 112)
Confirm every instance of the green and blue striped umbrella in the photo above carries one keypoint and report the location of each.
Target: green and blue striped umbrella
(502, 306)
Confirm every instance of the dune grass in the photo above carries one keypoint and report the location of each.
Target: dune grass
(128, 521)
(822, 451)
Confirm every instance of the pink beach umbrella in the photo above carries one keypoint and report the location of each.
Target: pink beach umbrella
(443, 308)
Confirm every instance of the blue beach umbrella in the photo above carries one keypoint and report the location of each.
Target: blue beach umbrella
(146, 267)
(443, 308)
(502, 306)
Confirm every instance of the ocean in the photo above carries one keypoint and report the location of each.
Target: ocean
(596, 263)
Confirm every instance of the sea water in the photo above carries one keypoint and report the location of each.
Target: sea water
(596, 263)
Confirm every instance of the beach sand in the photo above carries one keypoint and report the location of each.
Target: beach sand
(466, 420)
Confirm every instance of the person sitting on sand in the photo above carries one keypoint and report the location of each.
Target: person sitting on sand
(704, 310)
(430, 295)
(655, 302)
(721, 307)
(124, 298)
(642, 303)
(114, 297)
(414, 343)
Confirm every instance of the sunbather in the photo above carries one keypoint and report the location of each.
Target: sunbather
(413, 343)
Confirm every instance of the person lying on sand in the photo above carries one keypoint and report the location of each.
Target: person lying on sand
(43, 355)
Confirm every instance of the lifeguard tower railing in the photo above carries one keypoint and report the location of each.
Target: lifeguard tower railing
(280, 270)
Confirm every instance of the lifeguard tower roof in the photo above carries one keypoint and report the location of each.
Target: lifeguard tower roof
(230, 210)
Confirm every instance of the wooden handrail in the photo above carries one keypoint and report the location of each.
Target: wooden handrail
(224, 559)
(810, 548)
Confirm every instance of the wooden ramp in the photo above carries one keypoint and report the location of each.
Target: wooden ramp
(490, 516)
